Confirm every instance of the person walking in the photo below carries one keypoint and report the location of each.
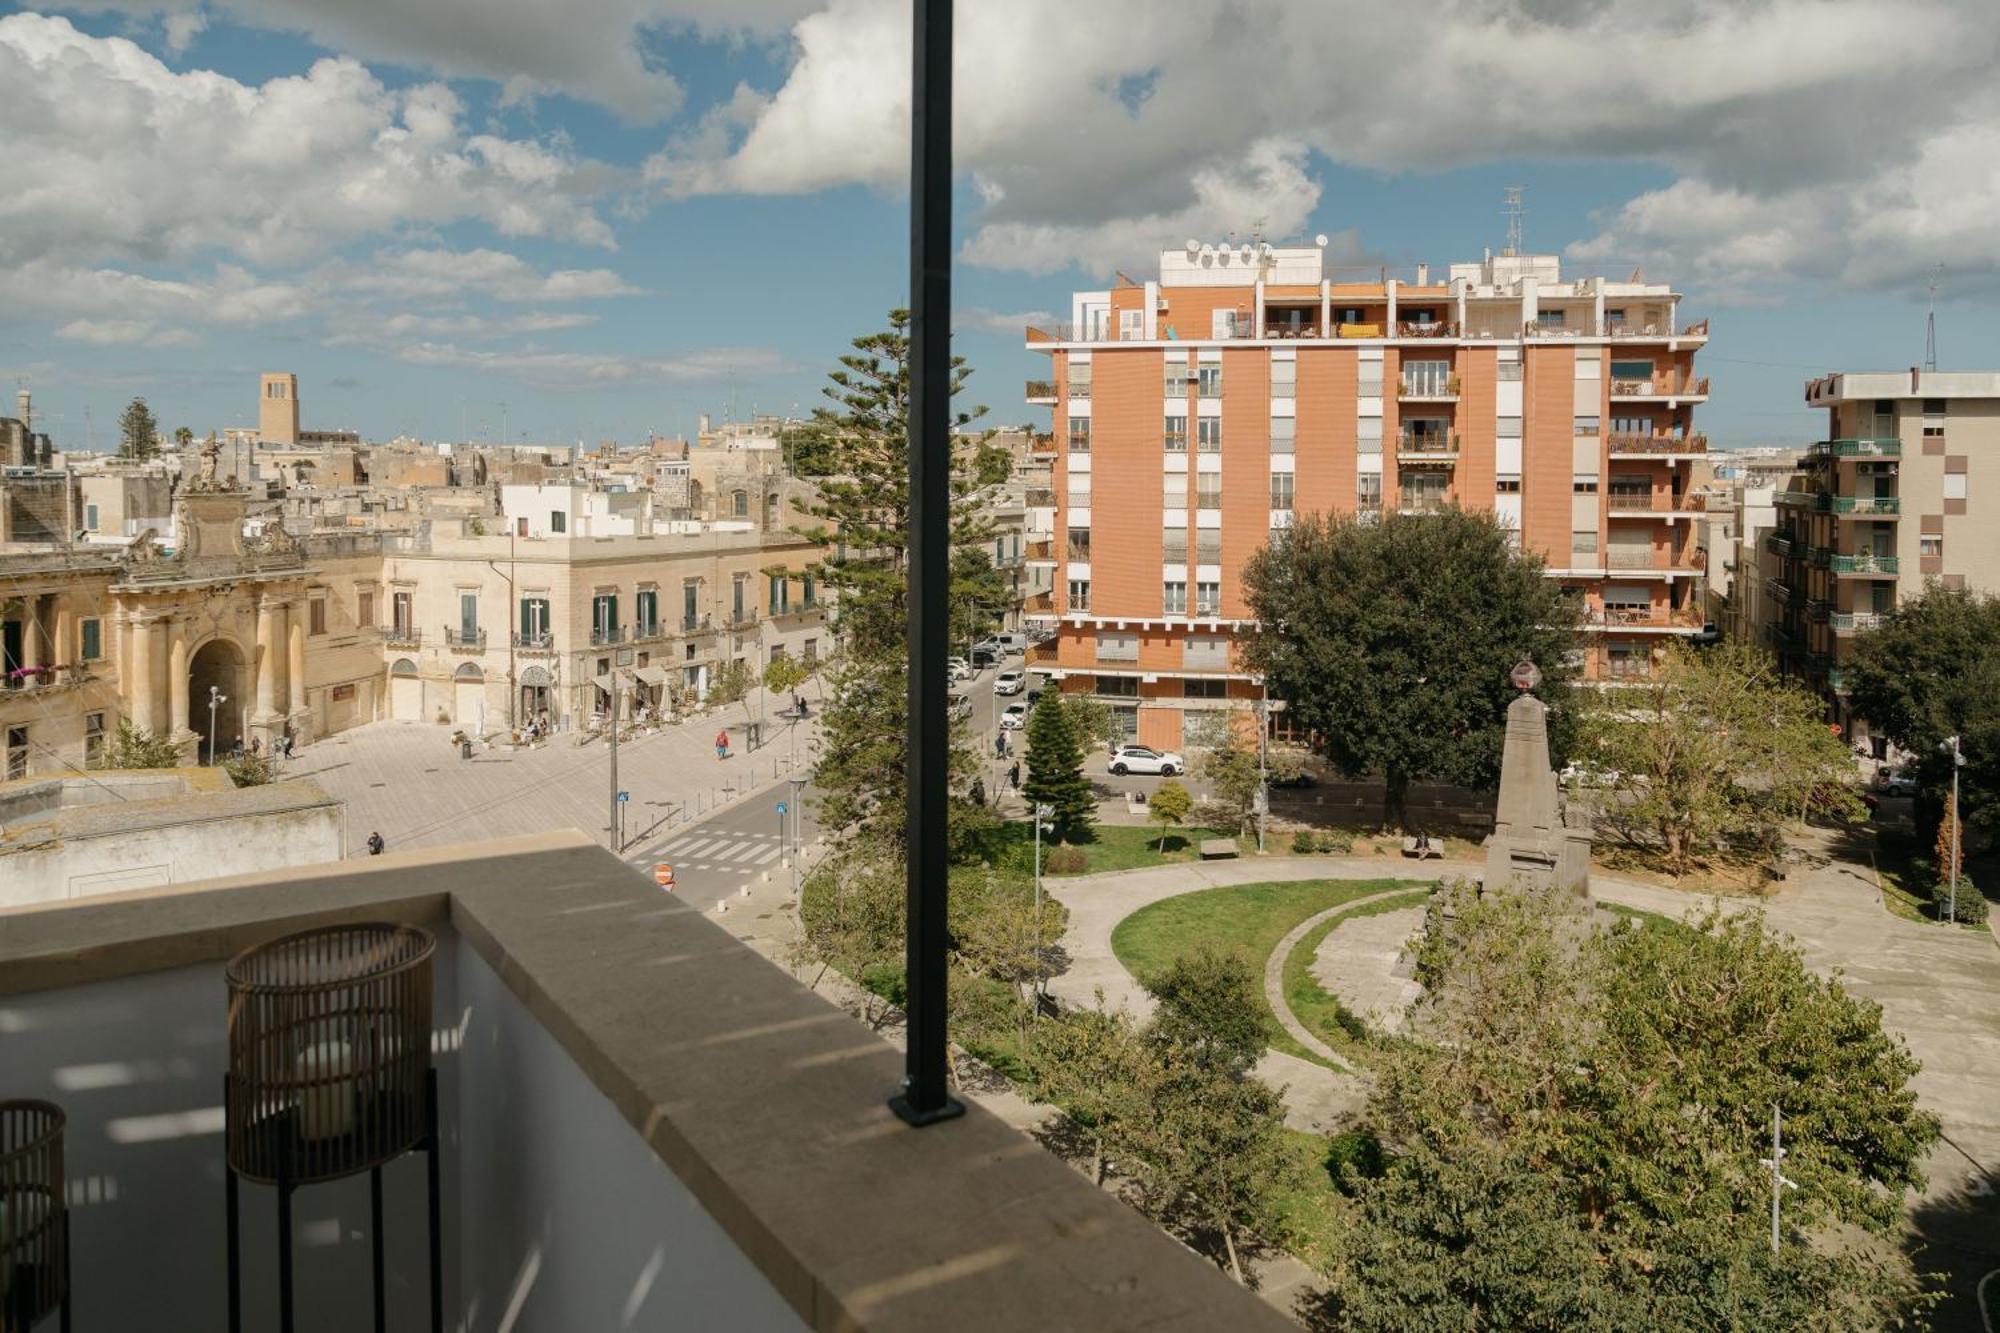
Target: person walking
(1014, 775)
(722, 744)
(375, 844)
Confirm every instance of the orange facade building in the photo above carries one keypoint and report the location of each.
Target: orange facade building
(1196, 414)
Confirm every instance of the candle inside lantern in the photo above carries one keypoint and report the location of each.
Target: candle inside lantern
(326, 1108)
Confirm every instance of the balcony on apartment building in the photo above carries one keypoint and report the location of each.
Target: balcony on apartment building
(1860, 446)
(1864, 564)
(1433, 328)
(1648, 559)
(646, 631)
(534, 641)
(1040, 393)
(1428, 388)
(403, 636)
(1778, 544)
(739, 618)
(642, 1125)
(1665, 385)
(608, 636)
(1655, 444)
(1867, 506)
(461, 640)
(1427, 447)
(1657, 617)
(1857, 622)
(696, 624)
(1779, 591)
(1645, 502)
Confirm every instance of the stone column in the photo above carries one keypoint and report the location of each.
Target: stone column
(66, 647)
(177, 680)
(295, 661)
(139, 690)
(270, 619)
(31, 630)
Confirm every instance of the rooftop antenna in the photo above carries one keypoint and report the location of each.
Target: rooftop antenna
(1513, 212)
(1930, 321)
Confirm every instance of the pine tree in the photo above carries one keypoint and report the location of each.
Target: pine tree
(138, 432)
(1055, 769)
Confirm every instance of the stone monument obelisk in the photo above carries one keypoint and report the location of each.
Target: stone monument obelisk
(1532, 845)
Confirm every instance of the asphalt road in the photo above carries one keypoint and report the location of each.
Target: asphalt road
(714, 859)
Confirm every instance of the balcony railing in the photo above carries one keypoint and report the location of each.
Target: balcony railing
(1634, 442)
(1777, 543)
(1642, 617)
(540, 642)
(1836, 680)
(1860, 446)
(1819, 611)
(1779, 591)
(1645, 558)
(403, 636)
(1661, 387)
(1654, 502)
(647, 630)
(1422, 504)
(695, 624)
(1426, 387)
(1309, 329)
(1814, 500)
(1864, 564)
(607, 636)
(1868, 506)
(1858, 622)
(1434, 329)
(465, 641)
(1427, 448)
(1040, 391)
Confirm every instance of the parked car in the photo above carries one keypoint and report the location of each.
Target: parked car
(1299, 778)
(983, 658)
(1011, 641)
(1011, 681)
(1899, 784)
(960, 705)
(1013, 717)
(1144, 759)
(960, 668)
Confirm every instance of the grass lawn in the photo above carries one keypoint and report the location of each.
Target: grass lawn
(1246, 920)
(1111, 846)
(1309, 1210)
(1324, 1015)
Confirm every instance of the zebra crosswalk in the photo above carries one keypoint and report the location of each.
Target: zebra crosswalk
(721, 851)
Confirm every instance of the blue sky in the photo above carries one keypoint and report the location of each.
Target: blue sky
(639, 210)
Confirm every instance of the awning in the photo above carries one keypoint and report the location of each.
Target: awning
(650, 675)
(608, 683)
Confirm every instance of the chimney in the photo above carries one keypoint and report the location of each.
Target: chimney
(1423, 275)
(704, 423)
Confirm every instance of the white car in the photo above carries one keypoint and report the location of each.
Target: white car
(959, 668)
(960, 705)
(1010, 681)
(1144, 759)
(1014, 717)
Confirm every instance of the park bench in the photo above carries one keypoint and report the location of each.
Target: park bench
(1422, 848)
(1215, 849)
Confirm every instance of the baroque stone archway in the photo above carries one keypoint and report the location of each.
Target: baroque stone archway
(221, 664)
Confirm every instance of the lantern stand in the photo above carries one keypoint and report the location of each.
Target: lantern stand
(330, 1075)
(34, 1216)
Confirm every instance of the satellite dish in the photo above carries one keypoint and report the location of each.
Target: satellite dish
(1320, 240)
(1193, 247)
(1224, 254)
(1265, 250)
(1245, 253)
(1208, 254)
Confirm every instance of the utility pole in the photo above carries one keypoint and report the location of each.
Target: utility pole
(614, 762)
(1263, 785)
(1779, 1184)
(1042, 814)
(1950, 747)
(1930, 322)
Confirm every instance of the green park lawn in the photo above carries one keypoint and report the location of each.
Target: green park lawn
(1107, 847)
(1246, 920)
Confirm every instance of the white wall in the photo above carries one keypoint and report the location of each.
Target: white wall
(79, 866)
(568, 1220)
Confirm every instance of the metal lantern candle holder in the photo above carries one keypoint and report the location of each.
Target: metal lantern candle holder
(330, 1075)
(34, 1216)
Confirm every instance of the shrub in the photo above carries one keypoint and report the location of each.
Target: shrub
(1063, 861)
(1971, 903)
(1305, 842)
(1354, 1156)
(1337, 841)
(248, 770)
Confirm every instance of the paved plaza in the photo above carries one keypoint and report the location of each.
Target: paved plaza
(408, 781)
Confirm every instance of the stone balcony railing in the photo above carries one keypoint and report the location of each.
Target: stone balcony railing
(645, 1127)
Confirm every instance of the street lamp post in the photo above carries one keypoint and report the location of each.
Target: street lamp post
(216, 698)
(798, 832)
(1042, 813)
(1950, 747)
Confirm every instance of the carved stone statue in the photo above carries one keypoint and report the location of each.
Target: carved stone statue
(211, 460)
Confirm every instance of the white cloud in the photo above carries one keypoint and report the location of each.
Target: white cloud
(980, 320)
(112, 156)
(583, 370)
(105, 332)
(433, 272)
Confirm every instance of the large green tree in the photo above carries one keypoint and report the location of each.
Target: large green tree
(1055, 769)
(138, 432)
(1712, 755)
(1574, 1141)
(1934, 671)
(1391, 640)
(860, 448)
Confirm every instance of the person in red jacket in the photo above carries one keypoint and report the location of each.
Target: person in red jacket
(722, 744)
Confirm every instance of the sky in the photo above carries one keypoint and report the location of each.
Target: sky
(594, 219)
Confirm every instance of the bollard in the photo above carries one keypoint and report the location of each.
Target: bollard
(745, 891)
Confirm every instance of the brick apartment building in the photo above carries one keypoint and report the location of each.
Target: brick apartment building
(1196, 414)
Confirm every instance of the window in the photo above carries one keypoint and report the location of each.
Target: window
(1284, 431)
(558, 520)
(1347, 314)
(1426, 378)
(811, 652)
(93, 639)
(1583, 484)
(604, 618)
(1208, 546)
(534, 622)
(403, 613)
(1079, 435)
(1368, 490)
(1284, 378)
(1583, 542)
(90, 517)
(780, 594)
(1208, 434)
(1079, 594)
(1117, 647)
(1207, 599)
(1281, 490)
(17, 752)
(1173, 598)
(1174, 433)
(1934, 407)
(1079, 379)
(1173, 546)
(1209, 382)
(1205, 653)
(1177, 379)
(1585, 426)
(1507, 485)
(809, 589)
(1208, 490)
(1632, 370)
(1507, 428)
(1078, 545)
(1954, 485)
(690, 598)
(739, 504)
(1614, 317)
(468, 615)
(1124, 686)
(739, 590)
(364, 609)
(316, 616)
(93, 737)
(1205, 689)
(1079, 490)
(1931, 547)
(1549, 319)
(1176, 490)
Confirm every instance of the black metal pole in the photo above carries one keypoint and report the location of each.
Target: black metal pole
(432, 1148)
(924, 1098)
(375, 1246)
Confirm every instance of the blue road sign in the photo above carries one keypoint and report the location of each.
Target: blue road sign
(624, 796)
(781, 807)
